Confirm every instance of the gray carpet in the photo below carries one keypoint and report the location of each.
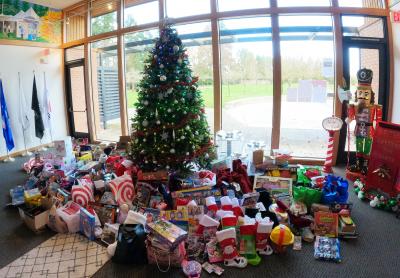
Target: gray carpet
(376, 253)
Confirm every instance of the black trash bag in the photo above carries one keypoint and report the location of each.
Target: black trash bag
(131, 247)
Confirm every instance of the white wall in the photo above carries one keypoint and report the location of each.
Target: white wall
(396, 50)
(23, 59)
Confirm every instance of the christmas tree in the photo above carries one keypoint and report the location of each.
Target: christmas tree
(170, 129)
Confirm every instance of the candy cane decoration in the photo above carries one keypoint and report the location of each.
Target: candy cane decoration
(331, 125)
(329, 155)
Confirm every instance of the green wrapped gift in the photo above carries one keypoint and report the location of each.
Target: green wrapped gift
(306, 195)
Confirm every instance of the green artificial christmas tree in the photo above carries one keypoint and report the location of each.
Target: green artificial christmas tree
(170, 129)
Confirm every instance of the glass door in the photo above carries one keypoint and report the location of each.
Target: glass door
(76, 99)
(358, 54)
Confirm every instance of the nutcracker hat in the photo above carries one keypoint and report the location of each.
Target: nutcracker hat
(364, 77)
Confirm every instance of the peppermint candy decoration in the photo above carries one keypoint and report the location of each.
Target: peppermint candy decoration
(32, 163)
(122, 189)
(82, 194)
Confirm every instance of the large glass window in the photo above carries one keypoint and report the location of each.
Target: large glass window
(137, 14)
(305, 3)
(362, 3)
(103, 16)
(307, 83)
(246, 69)
(137, 47)
(196, 38)
(181, 8)
(234, 5)
(362, 26)
(105, 89)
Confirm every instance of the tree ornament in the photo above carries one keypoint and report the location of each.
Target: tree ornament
(144, 139)
(180, 61)
(136, 140)
(176, 101)
(167, 167)
(183, 100)
(155, 56)
(173, 134)
(160, 96)
(163, 78)
(146, 161)
(187, 153)
(172, 151)
(169, 91)
(169, 110)
(182, 137)
(187, 127)
(146, 102)
(206, 156)
(145, 123)
(175, 48)
(158, 122)
(164, 136)
(161, 66)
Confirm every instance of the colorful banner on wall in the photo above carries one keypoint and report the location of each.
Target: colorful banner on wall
(20, 20)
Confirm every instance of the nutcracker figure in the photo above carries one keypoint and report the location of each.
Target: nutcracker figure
(367, 114)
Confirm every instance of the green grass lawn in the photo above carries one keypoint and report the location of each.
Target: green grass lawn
(229, 93)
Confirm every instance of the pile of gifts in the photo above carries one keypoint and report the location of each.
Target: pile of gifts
(192, 221)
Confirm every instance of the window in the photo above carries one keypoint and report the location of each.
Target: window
(362, 3)
(181, 8)
(103, 16)
(234, 5)
(75, 23)
(196, 38)
(246, 71)
(137, 47)
(307, 83)
(305, 3)
(105, 89)
(74, 53)
(363, 26)
(137, 14)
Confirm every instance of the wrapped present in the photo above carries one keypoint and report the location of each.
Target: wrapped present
(167, 232)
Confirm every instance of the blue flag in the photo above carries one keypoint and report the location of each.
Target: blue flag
(7, 133)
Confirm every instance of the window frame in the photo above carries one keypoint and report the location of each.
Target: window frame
(214, 16)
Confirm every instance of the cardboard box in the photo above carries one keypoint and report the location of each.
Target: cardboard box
(36, 221)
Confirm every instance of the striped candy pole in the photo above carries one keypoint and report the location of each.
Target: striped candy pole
(329, 155)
